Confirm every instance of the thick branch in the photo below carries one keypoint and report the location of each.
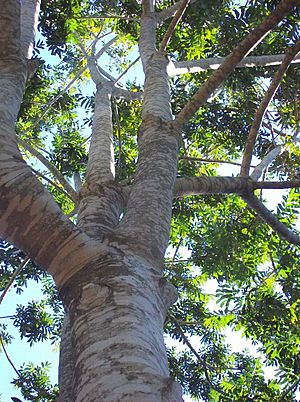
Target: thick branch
(100, 167)
(211, 185)
(29, 20)
(175, 21)
(195, 66)
(259, 115)
(56, 173)
(268, 217)
(147, 34)
(202, 185)
(241, 50)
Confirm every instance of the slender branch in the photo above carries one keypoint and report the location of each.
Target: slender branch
(163, 15)
(202, 185)
(267, 216)
(241, 50)
(102, 17)
(259, 114)
(276, 184)
(13, 277)
(204, 160)
(127, 69)
(8, 358)
(196, 66)
(67, 87)
(60, 189)
(56, 173)
(175, 21)
(199, 358)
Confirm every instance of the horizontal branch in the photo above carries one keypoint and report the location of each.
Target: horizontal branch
(204, 160)
(267, 216)
(212, 185)
(196, 66)
(201, 185)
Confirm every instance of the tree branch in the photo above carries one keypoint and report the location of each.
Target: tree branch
(67, 87)
(195, 353)
(8, 358)
(56, 173)
(13, 277)
(202, 185)
(204, 160)
(163, 15)
(267, 216)
(175, 21)
(212, 185)
(259, 114)
(196, 66)
(241, 50)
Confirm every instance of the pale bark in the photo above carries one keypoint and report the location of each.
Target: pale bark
(29, 20)
(196, 66)
(117, 310)
(101, 163)
(241, 50)
(148, 213)
(212, 185)
(202, 185)
(266, 161)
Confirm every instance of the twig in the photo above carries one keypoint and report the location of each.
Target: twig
(241, 50)
(259, 114)
(8, 358)
(176, 251)
(13, 277)
(175, 21)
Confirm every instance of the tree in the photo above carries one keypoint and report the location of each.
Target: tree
(106, 256)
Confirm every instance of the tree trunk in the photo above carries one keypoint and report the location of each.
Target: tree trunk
(116, 308)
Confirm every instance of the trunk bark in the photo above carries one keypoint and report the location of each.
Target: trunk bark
(116, 309)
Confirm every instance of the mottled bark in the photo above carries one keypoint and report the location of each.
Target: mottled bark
(117, 309)
(29, 20)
